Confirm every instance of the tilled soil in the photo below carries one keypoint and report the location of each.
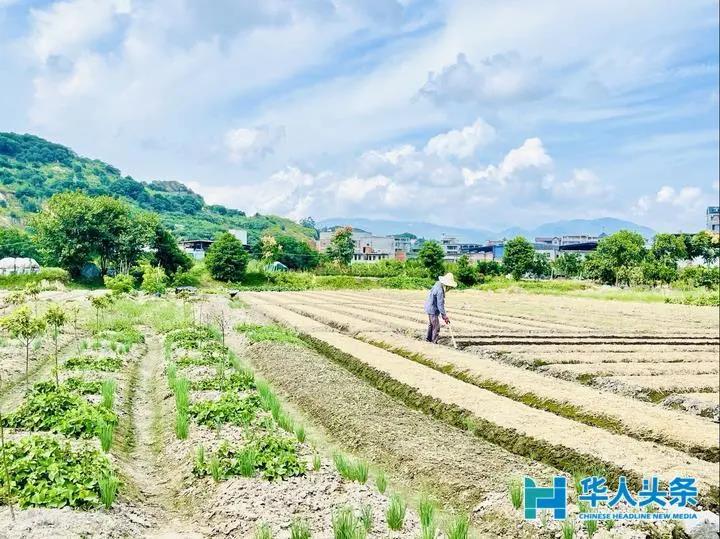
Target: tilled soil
(456, 465)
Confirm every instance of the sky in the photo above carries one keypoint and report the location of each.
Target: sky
(472, 113)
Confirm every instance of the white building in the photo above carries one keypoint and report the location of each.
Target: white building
(368, 248)
(713, 219)
(18, 266)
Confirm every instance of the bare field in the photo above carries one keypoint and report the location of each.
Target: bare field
(570, 376)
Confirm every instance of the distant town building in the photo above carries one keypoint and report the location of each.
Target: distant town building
(495, 250)
(713, 219)
(240, 234)
(454, 249)
(196, 248)
(570, 239)
(368, 247)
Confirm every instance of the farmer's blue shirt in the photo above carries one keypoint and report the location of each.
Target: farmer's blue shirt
(435, 302)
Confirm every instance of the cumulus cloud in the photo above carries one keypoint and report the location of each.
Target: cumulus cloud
(684, 203)
(461, 142)
(502, 77)
(582, 183)
(250, 144)
(530, 155)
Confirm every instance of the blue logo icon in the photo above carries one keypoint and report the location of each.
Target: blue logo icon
(554, 498)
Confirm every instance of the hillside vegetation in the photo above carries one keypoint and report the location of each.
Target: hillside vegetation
(33, 169)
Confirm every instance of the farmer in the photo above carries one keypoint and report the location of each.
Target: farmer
(435, 306)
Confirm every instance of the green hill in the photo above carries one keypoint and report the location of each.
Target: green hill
(33, 169)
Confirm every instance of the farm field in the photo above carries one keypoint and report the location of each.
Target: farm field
(283, 414)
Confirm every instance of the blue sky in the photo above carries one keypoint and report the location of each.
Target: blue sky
(467, 113)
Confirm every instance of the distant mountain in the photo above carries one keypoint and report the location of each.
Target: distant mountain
(33, 169)
(593, 227)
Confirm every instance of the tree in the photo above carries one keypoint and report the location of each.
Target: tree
(668, 247)
(269, 248)
(154, 279)
(168, 254)
(432, 256)
(519, 257)
(489, 267)
(295, 253)
(56, 318)
(341, 246)
(568, 265)
(74, 228)
(541, 266)
(703, 245)
(226, 259)
(17, 243)
(623, 249)
(23, 326)
(466, 273)
(100, 303)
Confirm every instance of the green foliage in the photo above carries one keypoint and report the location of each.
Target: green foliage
(257, 333)
(615, 257)
(367, 517)
(346, 525)
(226, 259)
(458, 527)
(341, 247)
(426, 510)
(182, 424)
(108, 485)
(299, 529)
(395, 514)
(431, 257)
(229, 408)
(263, 531)
(94, 363)
(122, 283)
(516, 492)
(154, 280)
(167, 253)
(300, 433)
(568, 265)
(17, 243)
(108, 393)
(237, 381)
(519, 257)
(568, 529)
(23, 279)
(381, 482)
(105, 433)
(189, 338)
(466, 273)
(48, 473)
(60, 410)
(317, 463)
(295, 253)
(21, 324)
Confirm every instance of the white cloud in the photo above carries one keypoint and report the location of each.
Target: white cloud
(461, 142)
(67, 27)
(683, 205)
(582, 183)
(531, 155)
(249, 144)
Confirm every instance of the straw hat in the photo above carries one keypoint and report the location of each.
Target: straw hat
(448, 280)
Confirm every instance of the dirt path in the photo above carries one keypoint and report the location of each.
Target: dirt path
(143, 464)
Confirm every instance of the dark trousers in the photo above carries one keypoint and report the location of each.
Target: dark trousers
(433, 331)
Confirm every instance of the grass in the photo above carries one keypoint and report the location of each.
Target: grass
(381, 482)
(257, 333)
(300, 433)
(107, 391)
(182, 394)
(246, 462)
(426, 510)
(182, 424)
(106, 435)
(316, 462)
(263, 531)
(367, 517)
(346, 525)
(200, 457)
(568, 529)
(299, 529)
(516, 492)
(108, 489)
(214, 467)
(395, 514)
(458, 527)
(351, 470)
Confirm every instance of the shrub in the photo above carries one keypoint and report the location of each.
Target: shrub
(45, 274)
(431, 257)
(122, 283)
(48, 473)
(154, 279)
(395, 514)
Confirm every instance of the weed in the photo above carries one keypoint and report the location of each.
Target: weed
(263, 531)
(395, 514)
(108, 394)
(516, 492)
(300, 433)
(182, 424)
(568, 529)
(316, 462)
(426, 509)
(381, 482)
(214, 467)
(108, 485)
(299, 529)
(105, 433)
(366, 516)
(458, 527)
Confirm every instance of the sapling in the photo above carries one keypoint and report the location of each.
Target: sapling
(299, 529)
(108, 489)
(100, 303)
(381, 482)
(458, 527)
(56, 318)
(22, 325)
(395, 514)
